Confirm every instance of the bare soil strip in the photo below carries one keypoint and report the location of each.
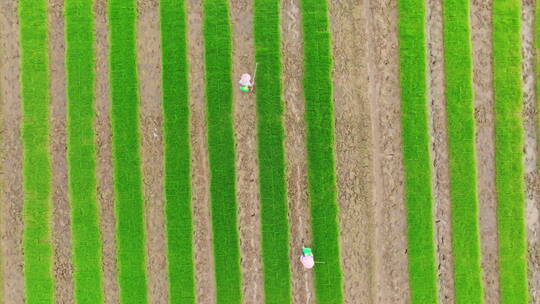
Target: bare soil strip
(439, 150)
(247, 167)
(391, 263)
(61, 229)
(530, 116)
(202, 238)
(11, 194)
(2, 165)
(102, 127)
(485, 145)
(151, 119)
(353, 148)
(295, 148)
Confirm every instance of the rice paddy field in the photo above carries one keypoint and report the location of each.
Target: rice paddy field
(397, 139)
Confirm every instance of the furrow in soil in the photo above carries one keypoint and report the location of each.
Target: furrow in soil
(439, 150)
(530, 116)
(247, 167)
(102, 125)
(151, 126)
(61, 228)
(391, 264)
(353, 148)
(295, 149)
(485, 145)
(202, 238)
(11, 194)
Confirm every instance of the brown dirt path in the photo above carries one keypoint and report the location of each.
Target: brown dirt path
(485, 145)
(247, 168)
(2, 174)
(353, 148)
(11, 193)
(202, 230)
(530, 116)
(439, 150)
(295, 148)
(103, 135)
(61, 228)
(151, 122)
(391, 270)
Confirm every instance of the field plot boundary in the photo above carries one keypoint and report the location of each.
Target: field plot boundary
(130, 233)
(37, 248)
(320, 150)
(273, 191)
(80, 79)
(461, 152)
(416, 158)
(508, 152)
(221, 151)
(177, 152)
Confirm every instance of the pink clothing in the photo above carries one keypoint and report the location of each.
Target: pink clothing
(307, 261)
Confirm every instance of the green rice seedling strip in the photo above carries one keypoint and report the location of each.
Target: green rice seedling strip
(509, 151)
(461, 150)
(221, 153)
(36, 162)
(319, 118)
(275, 228)
(416, 160)
(82, 151)
(126, 154)
(177, 152)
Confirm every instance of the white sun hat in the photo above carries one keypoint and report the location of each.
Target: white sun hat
(245, 80)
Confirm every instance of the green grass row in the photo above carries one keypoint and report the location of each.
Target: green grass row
(177, 152)
(270, 132)
(82, 151)
(37, 241)
(319, 118)
(509, 151)
(461, 152)
(416, 159)
(221, 152)
(130, 235)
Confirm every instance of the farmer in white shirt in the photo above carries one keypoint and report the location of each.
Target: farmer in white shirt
(246, 84)
(307, 258)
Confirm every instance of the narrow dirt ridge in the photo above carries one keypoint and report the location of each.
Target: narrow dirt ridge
(353, 148)
(3, 149)
(391, 263)
(532, 179)
(11, 194)
(485, 145)
(295, 149)
(151, 126)
(202, 230)
(439, 150)
(61, 226)
(247, 168)
(102, 125)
